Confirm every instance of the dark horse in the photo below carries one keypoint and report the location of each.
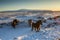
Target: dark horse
(36, 25)
(14, 23)
(30, 22)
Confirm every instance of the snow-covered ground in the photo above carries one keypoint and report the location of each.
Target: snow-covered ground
(23, 30)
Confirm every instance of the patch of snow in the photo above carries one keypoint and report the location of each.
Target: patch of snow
(23, 30)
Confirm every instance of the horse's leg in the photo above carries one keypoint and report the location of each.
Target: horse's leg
(38, 28)
(13, 26)
(35, 29)
(32, 28)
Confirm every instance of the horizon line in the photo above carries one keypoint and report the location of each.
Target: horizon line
(28, 9)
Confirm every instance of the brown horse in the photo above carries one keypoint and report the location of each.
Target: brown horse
(14, 23)
(30, 22)
(36, 25)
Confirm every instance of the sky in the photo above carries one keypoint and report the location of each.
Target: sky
(30, 4)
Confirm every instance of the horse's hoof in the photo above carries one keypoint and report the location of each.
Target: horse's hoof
(14, 27)
(31, 30)
(37, 31)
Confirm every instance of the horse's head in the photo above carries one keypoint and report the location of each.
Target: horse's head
(15, 20)
(39, 22)
(30, 22)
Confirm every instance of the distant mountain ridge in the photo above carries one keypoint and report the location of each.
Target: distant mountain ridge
(28, 10)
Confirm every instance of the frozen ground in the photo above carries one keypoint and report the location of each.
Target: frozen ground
(23, 30)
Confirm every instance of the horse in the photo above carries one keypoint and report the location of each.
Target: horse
(36, 25)
(30, 22)
(14, 23)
